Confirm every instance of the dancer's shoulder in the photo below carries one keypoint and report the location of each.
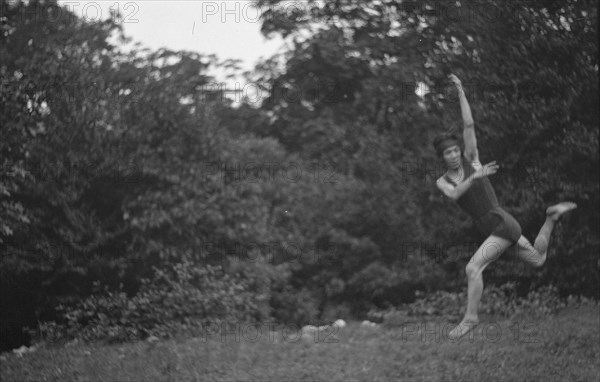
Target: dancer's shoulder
(445, 186)
(443, 182)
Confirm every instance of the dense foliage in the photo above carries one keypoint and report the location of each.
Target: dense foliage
(128, 171)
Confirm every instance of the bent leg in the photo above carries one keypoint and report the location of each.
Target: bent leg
(536, 254)
(530, 253)
(489, 251)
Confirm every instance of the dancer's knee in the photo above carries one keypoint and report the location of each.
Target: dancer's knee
(538, 261)
(473, 271)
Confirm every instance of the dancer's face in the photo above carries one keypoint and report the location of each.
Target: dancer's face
(452, 157)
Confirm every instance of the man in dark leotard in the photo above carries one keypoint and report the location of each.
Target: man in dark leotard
(466, 181)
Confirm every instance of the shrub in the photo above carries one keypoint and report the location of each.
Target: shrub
(500, 301)
(183, 297)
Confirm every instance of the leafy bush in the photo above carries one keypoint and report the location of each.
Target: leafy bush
(184, 296)
(296, 307)
(500, 301)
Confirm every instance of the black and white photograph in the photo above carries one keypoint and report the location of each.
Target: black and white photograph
(299, 190)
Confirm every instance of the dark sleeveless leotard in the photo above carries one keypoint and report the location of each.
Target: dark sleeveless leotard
(481, 203)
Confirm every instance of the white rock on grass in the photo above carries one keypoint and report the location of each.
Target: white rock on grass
(368, 324)
(309, 332)
(72, 343)
(309, 329)
(24, 349)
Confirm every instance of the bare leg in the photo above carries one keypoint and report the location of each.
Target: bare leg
(536, 254)
(489, 251)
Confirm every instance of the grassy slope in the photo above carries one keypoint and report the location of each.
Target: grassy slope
(562, 347)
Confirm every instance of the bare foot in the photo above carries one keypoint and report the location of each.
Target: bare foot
(554, 212)
(463, 328)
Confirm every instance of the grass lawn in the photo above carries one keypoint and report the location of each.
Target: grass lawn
(529, 347)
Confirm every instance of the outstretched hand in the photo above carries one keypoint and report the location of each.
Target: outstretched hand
(487, 170)
(454, 79)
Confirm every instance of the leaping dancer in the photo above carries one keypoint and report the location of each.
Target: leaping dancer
(466, 181)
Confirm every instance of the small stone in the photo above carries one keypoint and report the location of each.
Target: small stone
(309, 329)
(367, 323)
(72, 343)
(20, 351)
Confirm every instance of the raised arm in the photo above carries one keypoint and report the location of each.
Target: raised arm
(471, 152)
